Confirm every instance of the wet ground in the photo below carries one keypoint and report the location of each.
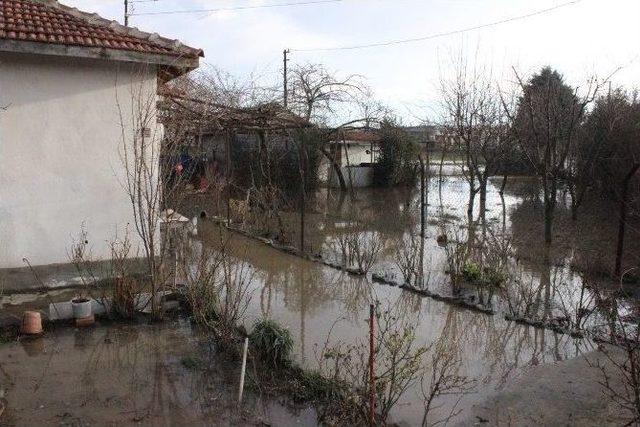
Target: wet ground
(164, 374)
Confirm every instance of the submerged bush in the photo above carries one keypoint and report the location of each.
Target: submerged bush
(471, 272)
(397, 164)
(474, 274)
(273, 342)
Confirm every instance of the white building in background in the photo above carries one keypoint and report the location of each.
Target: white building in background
(67, 80)
(356, 151)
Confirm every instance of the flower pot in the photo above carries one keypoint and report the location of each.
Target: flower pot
(31, 323)
(81, 308)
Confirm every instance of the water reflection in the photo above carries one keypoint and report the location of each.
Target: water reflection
(309, 298)
(165, 374)
(546, 284)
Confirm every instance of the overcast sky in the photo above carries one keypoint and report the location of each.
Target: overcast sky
(590, 37)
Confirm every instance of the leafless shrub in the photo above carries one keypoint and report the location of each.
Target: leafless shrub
(576, 303)
(113, 279)
(236, 292)
(202, 287)
(457, 252)
(398, 362)
(218, 289)
(265, 208)
(620, 367)
(358, 247)
(442, 377)
(80, 255)
(408, 257)
(498, 254)
(521, 296)
(125, 293)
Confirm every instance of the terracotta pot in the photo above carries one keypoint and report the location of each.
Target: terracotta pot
(82, 322)
(31, 323)
(81, 308)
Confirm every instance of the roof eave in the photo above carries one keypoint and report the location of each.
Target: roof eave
(183, 63)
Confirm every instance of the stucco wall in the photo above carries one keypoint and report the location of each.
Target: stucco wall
(60, 139)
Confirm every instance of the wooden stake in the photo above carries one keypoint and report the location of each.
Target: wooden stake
(228, 171)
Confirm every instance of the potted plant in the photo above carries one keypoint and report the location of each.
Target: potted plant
(81, 307)
(80, 256)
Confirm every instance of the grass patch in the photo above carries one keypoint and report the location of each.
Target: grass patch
(273, 342)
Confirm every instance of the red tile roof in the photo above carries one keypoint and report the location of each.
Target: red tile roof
(360, 136)
(47, 21)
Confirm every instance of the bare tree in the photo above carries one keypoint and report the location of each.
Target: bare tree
(334, 103)
(318, 94)
(143, 148)
(546, 122)
(478, 123)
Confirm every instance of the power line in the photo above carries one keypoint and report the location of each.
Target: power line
(225, 9)
(438, 35)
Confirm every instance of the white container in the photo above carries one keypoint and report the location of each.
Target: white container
(81, 308)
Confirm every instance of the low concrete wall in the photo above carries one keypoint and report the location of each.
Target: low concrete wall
(57, 276)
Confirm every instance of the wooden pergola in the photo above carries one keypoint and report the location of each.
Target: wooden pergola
(196, 117)
(211, 117)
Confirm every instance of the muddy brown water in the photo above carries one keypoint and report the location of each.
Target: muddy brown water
(582, 253)
(161, 375)
(309, 298)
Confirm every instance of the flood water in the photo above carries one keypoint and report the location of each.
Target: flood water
(309, 299)
(164, 374)
(313, 300)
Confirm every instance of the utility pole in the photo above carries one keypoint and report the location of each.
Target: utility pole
(126, 13)
(284, 61)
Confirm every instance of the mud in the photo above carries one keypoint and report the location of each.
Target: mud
(563, 393)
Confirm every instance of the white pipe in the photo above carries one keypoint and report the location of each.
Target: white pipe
(244, 366)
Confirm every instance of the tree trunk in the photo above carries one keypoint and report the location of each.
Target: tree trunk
(623, 218)
(337, 169)
(574, 203)
(472, 198)
(550, 194)
(504, 184)
(549, 208)
(483, 196)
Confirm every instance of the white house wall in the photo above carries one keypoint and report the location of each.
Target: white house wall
(60, 144)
